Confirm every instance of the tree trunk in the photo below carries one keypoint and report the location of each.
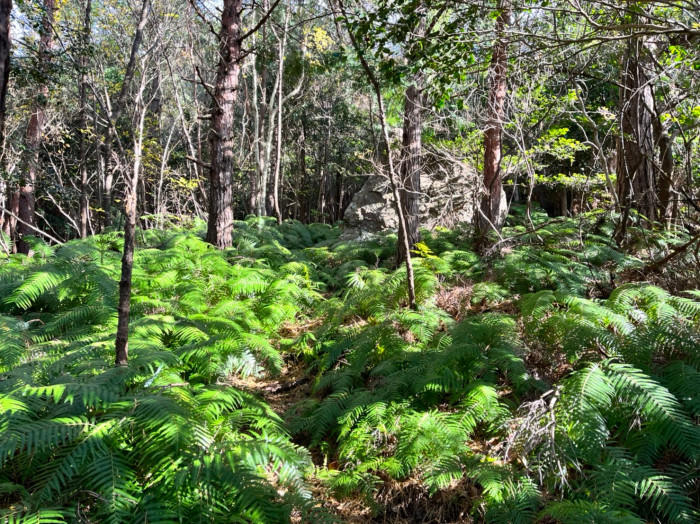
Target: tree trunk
(636, 184)
(305, 204)
(280, 102)
(115, 112)
(257, 176)
(403, 238)
(10, 223)
(5, 42)
(491, 203)
(131, 218)
(411, 169)
(35, 129)
(220, 224)
(666, 176)
(84, 188)
(124, 307)
(5, 10)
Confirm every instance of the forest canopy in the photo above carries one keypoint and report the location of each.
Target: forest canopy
(338, 261)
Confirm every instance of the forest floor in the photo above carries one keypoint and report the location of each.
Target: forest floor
(524, 389)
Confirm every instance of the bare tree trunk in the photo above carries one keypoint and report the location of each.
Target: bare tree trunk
(636, 184)
(114, 112)
(220, 224)
(304, 213)
(665, 179)
(84, 188)
(403, 238)
(278, 158)
(491, 203)
(280, 104)
(35, 130)
(265, 202)
(131, 218)
(411, 168)
(257, 176)
(124, 307)
(5, 43)
(5, 11)
(148, 184)
(340, 194)
(10, 223)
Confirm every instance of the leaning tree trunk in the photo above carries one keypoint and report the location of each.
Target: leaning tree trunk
(492, 203)
(35, 130)
(393, 176)
(221, 142)
(636, 176)
(411, 169)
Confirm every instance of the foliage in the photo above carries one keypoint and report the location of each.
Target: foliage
(553, 404)
(168, 437)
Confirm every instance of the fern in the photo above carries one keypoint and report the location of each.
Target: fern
(573, 408)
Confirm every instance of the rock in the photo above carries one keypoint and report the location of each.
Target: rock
(449, 198)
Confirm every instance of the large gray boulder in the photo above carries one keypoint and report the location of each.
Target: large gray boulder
(449, 196)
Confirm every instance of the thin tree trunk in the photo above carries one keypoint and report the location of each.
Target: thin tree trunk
(114, 112)
(131, 218)
(411, 168)
(339, 194)
(35, 130)
(10, 223)
(491, 203)
(304, 214)
(280, 102)
(257, 176)
(5, 42)
(124, 307)
(410, 280)
(84, 188)
(665, 181)
(220, 223)
(148, 185)
(265, 183)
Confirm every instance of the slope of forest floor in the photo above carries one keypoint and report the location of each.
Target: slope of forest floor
(554, 380)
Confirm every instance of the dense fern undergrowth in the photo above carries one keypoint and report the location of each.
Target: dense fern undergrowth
(544, 381)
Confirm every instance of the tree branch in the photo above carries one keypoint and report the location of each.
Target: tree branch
(261, 21)
(30, 226)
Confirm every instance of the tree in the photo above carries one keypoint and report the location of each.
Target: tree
(83, 129)
(221, 135)
(221, 138)
(35, 128)
(5, 44)
(5, 11)
(393, 176)
(113, 110)
(492, 212)
(131, 217)
(411, 168)
(636, 172)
